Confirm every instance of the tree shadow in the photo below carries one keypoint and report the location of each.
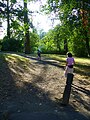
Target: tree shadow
(82, 69)
(76, 90)
(8, 87)
(58, 63)
(45, 61)
(29, 97)
(87, 92)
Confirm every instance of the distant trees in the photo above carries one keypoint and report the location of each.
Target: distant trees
(18, 24)
(73, 34)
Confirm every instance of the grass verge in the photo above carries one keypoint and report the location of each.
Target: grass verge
(82, 65)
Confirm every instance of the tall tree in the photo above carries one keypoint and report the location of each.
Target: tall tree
(7, 11)
(8, 20)
(85, 14)
(76, 15)
(26, 25)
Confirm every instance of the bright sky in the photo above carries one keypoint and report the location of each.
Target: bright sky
(40, 21)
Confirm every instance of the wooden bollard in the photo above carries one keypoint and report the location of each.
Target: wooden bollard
(67, 91)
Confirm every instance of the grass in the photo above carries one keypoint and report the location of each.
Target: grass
(82, 65)
(14, 57)
(18, 73)
(14, 60)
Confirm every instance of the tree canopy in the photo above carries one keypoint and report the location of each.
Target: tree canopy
(72, 34)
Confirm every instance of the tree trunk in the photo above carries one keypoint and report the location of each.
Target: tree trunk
(65, 46)
(84, 15)
(26, 25)
(8, 20)
(87, 42)
(58, 46)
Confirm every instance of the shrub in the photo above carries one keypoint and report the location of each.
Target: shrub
(12, 45)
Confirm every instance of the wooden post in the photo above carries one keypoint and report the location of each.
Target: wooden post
(67, 91)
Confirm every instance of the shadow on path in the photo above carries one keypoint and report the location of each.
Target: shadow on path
(44, 61)
(29, 101)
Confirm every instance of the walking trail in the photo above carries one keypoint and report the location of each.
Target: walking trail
(35, 93)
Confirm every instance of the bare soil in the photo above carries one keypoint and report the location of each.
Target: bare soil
(38, 86)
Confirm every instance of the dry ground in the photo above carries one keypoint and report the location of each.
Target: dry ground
(27, 84)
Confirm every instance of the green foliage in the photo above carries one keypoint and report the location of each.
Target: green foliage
(34, 40)
(53, 41)
(47, 43)
(13, 1)
(12, 45)
(17, 45)
(17, 31)
(69, 34)
(79, 49)
(79, 45)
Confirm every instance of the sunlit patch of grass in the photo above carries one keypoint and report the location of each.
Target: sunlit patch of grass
(16, 57)
(82, 65)
(15, 60)
(56, 57)
(78, 60)
(10, 58)
(60, 58)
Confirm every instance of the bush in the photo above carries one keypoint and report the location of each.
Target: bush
(79, 48)
(12, 45)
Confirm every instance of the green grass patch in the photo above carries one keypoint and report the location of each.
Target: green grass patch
(82, 65)
(14, 59)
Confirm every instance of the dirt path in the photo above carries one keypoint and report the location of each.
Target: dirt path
(37, 91)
